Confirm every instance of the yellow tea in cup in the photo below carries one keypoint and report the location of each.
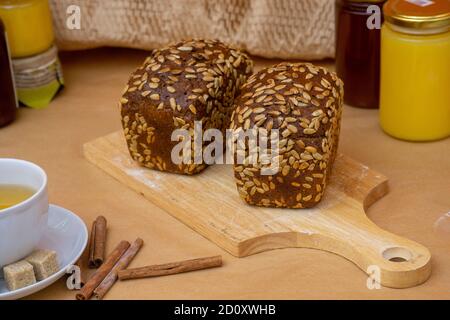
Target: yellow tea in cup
(12, 194)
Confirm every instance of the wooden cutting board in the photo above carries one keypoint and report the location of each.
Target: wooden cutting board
(209, 203)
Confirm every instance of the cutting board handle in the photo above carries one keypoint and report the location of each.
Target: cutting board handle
(389, 259)
(402, 263)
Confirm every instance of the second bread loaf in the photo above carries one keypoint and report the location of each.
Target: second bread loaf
(304, 103)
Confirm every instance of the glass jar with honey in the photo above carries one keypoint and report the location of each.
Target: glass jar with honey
(29, 26)
(37, 69)
(415, 69)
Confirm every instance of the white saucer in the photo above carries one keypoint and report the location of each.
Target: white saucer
(67, 235)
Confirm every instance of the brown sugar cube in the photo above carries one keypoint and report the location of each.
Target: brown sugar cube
(19, 275)
(44, 262)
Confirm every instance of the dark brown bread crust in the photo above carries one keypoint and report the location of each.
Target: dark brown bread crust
(194, 80)
(305, 103)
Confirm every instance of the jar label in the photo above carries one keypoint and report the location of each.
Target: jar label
(38, 78)
(38, 71)
(421, 3)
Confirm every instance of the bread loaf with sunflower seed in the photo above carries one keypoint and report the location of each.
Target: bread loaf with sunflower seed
(194, 80)
(304, 103)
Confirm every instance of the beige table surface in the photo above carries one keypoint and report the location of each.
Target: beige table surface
(416, 206)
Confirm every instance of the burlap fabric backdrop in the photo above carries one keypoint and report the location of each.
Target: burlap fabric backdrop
(269, 28)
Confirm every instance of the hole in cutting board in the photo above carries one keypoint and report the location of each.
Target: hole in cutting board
(397, 254)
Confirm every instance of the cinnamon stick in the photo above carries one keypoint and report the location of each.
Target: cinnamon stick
(170, 268)
(100, 241)
(97, 242)
(88, 289)
(91, 263)
(124, 261)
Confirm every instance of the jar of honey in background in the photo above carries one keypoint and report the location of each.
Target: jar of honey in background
(358, 51)
(37, 69)
(29, 26)
(415, 69)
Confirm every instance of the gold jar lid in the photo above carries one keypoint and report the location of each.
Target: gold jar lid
(422, 15)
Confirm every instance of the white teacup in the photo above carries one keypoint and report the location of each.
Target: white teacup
(22, 225)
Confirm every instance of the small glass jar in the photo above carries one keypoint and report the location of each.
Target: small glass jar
(8, 99)
(37, 69)
(415, 70)
(358, 51)
(29, 26)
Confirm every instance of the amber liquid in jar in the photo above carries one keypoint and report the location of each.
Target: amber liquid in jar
(8, 101)
(358, 53)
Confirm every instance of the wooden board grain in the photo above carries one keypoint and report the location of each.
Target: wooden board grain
(209, 204)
